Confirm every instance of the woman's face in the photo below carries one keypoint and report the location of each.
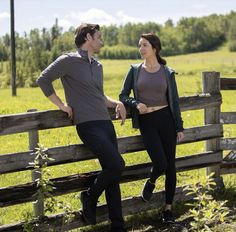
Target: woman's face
(145, 49)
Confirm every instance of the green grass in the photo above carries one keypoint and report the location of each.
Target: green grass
(189, 68)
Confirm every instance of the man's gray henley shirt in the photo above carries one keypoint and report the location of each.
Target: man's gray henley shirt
(83, 85)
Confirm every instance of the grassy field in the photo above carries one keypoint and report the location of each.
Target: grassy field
(189, 68)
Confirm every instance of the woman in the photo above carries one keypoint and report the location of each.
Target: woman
(155, 111)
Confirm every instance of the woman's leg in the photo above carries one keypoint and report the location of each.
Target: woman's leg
(168, 141)
(155, 151)
(152, 142)
(153, 145)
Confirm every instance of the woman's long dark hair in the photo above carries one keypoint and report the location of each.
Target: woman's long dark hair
(154, 40)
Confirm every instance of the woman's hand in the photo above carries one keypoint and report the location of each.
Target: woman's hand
(180, 136)
(142, 108)
(121, 112)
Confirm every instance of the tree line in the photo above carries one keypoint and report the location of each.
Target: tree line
(36, 49)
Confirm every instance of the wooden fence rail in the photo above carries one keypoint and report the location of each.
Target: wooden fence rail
(72, 153)
(31, 122)
(41, 120)
(64, 185)
(228, 118)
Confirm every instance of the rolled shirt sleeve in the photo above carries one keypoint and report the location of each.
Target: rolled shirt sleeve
(54, 71)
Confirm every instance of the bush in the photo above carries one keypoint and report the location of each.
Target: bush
(206, 212)
(119, 52)
(232, 45)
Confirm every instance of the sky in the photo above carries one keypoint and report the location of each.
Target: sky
(31, 14)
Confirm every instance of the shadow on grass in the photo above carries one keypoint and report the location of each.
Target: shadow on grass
(150, 221)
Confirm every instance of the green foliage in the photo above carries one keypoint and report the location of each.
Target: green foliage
(232, 32)
(41, 157)
(64, 43)
(119, 52)
(232, 28)
(198, 34)
(170, 41)
(206, 211)
(45, 189)
(45, 186)
(29, 225)
(67, 209)
(232, 45)
(37, 49)
(129, 34)
(110, 35)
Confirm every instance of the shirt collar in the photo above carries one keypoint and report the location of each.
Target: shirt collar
(84, 55)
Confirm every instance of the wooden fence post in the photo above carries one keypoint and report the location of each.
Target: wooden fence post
(36, 174)
(211, 84)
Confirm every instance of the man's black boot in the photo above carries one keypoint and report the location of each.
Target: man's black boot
(147, 191)
(88, 208)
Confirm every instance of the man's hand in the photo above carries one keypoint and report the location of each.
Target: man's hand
(121, 112)
(64, 107)
(68, 110)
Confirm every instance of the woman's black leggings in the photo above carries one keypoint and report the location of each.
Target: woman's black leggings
(159, 136)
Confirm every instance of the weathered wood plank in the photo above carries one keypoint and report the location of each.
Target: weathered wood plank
(228, 117)
(200, 101)
(227, 83)
(72, 153)
(228, 144)
(211, 84)
(36, 174)
(227, 167)
(25, 192)
(130, 206)
(18, 123)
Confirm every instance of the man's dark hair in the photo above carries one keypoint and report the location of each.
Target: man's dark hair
(82, 31)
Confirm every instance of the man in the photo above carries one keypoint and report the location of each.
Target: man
(82, 79)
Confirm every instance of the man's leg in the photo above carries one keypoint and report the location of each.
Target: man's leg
(96, 136)
(112, 192)
(113, 198)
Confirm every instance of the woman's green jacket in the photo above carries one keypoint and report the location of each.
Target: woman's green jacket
(130, 83)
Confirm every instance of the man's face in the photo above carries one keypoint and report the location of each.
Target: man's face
(96, 42)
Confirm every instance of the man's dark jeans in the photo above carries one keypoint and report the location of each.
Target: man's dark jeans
(100, 137)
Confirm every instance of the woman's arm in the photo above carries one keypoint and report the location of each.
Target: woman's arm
(126, 90)
(176, 106)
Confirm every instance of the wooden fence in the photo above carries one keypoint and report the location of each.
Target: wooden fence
(34, 121)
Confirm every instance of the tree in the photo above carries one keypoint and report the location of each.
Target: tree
(110, 35)
(170, 41)
(169, 23)
(55, 30)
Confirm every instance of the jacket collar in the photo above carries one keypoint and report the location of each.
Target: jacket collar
(169, 70)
